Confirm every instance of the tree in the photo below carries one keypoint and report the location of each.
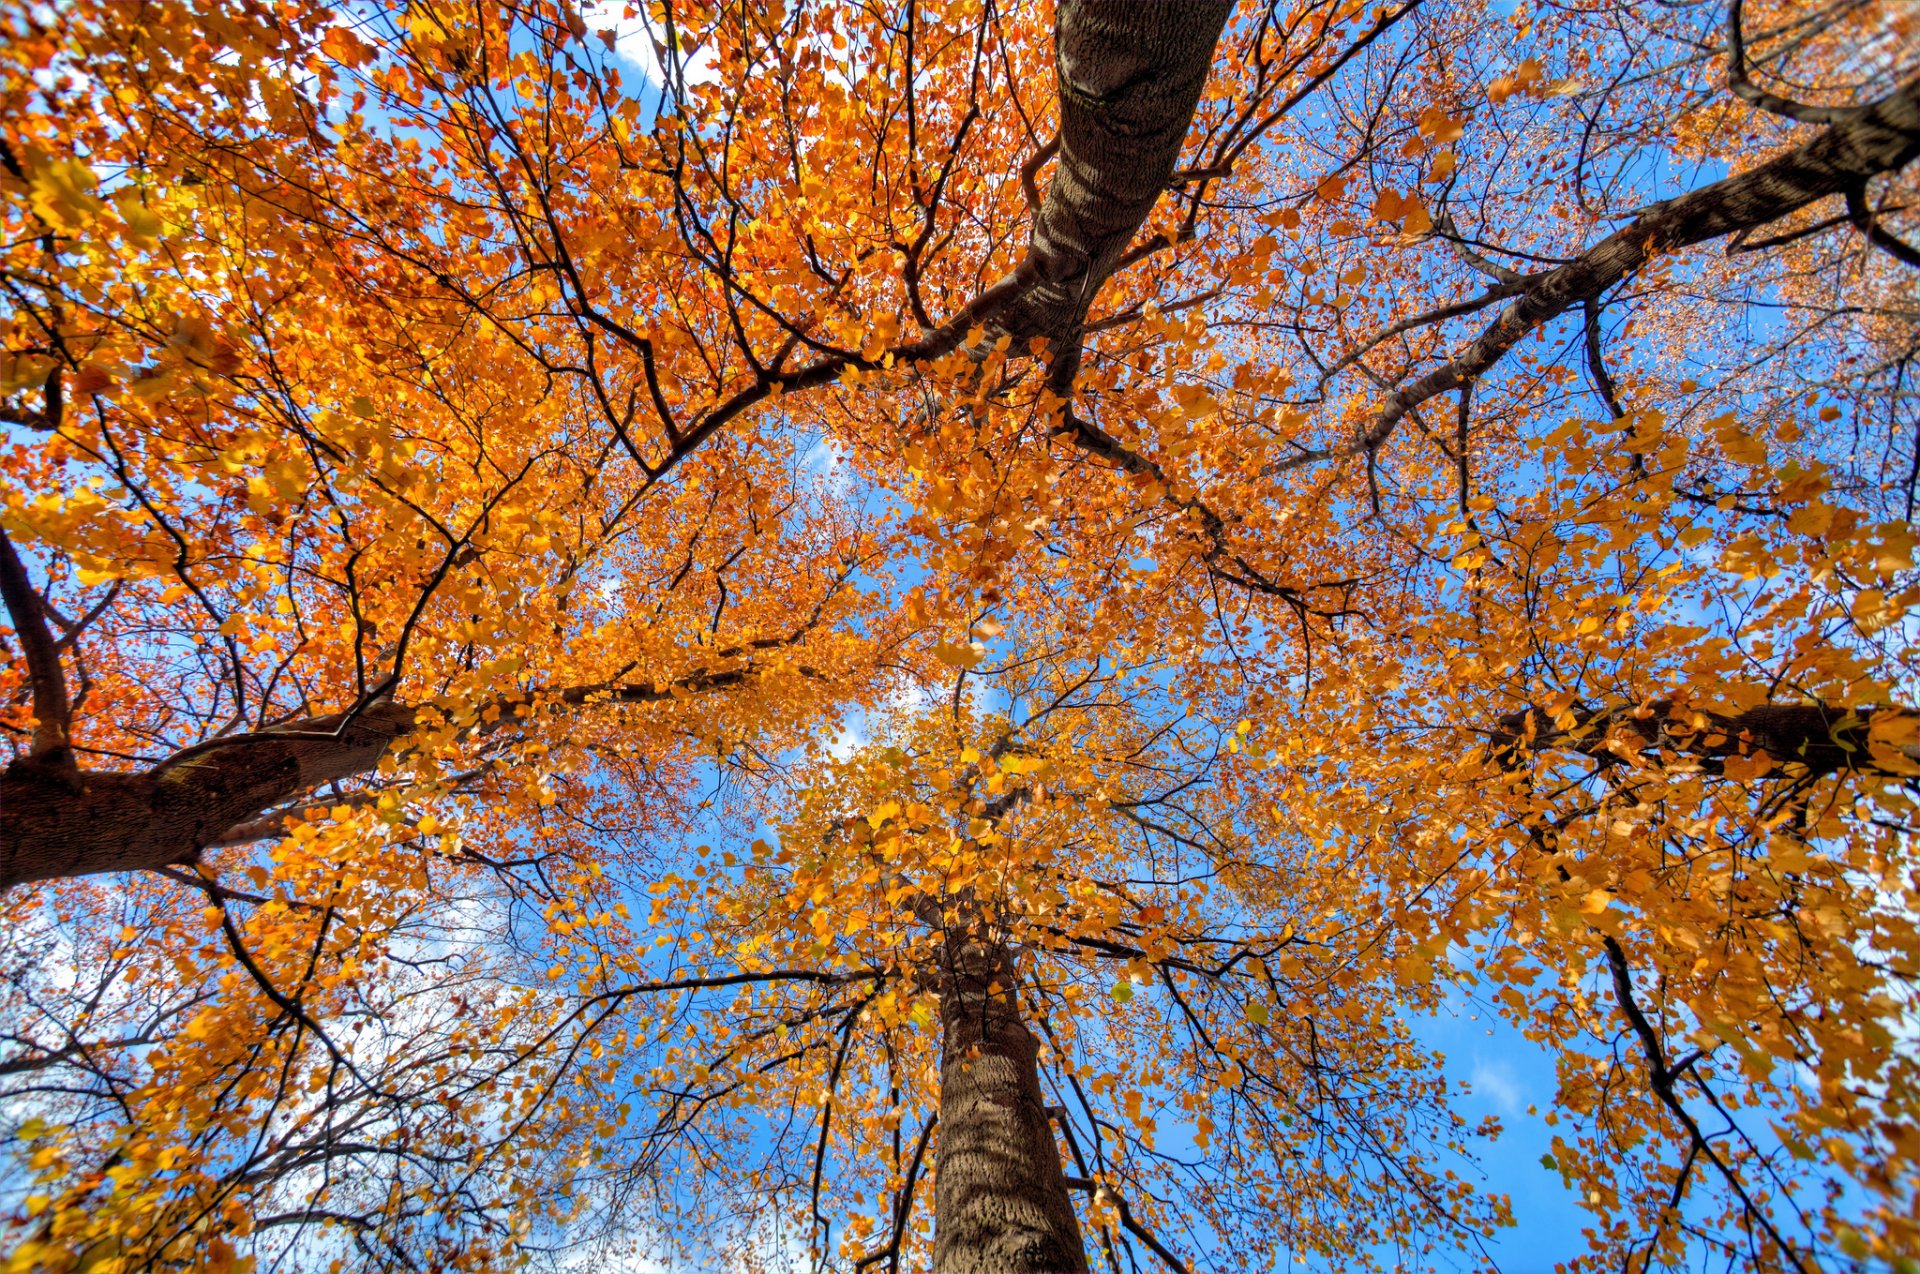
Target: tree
(455, 500)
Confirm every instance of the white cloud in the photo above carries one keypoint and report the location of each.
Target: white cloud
(824, 464)
(906, 698)
(639, 41)
(852, 737)
(1497, 1082)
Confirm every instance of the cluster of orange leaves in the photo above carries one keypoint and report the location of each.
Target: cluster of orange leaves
(432, 351)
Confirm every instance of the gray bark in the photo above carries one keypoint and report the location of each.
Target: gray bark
(1130, 76)
(1000, 1200)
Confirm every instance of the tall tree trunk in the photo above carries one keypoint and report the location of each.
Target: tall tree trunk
(1000, 1199)
(1130, 77)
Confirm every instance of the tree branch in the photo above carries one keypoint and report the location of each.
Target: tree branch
(1863, 143)
(52, 746)
(1744, 88)
(1824, 740)
(213, 792)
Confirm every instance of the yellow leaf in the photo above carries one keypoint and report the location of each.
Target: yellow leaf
(1739, 446)
(62, 194)
(956, 655)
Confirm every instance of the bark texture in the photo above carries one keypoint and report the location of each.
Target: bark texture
(1825, 740)
(51, 706)
(1000, 1199)
(56, 822)
(1130, 76)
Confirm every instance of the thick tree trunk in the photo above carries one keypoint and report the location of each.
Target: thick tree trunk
(57, 822)
(1000, 1199)
(1130, 76)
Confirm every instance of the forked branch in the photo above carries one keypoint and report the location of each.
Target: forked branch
(1860, 144)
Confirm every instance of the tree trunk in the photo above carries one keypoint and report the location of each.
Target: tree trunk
(1000, 1199)
(1130, 77)
(57, 822)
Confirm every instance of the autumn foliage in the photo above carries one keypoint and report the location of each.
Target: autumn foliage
(901, 636)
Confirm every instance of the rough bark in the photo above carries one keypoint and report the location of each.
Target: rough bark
(51, 706)
(1000, 1199)
(1130, 77)
(56, 823)
(1825, 740)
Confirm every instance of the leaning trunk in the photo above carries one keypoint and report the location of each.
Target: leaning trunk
(58, 822)
(1130, 77)
(1000, 1199)
(1821, 739)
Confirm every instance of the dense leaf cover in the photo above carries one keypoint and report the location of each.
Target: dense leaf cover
(613, 615)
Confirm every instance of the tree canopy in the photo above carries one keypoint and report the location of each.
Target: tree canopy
(896, 635)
